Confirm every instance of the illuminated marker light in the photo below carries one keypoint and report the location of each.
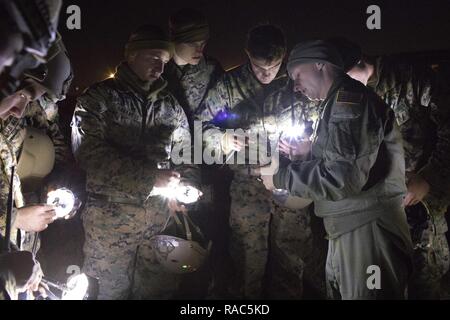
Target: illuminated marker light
(64, 201)
(184, 194)
(187, 194)
(77, 288)
(294, 132)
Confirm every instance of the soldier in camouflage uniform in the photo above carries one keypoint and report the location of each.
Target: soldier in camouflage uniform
(32, 218)
(298, 235)
(237, 101)
(420, 101)
(53, 87)
(190, 74)
(54, 78)
(355, 176)
(123, 129)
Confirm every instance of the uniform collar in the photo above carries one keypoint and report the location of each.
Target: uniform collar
(129, 81)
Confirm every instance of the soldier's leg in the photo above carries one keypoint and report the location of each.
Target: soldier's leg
(332, 272)
(371, 262)
(431, 254)
(290, 235)
(220, 261)
(112, 232)
(249, 222)
(431, 261)
(150, 280)
(297, 254)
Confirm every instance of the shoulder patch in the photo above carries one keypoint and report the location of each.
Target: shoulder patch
(348, 97)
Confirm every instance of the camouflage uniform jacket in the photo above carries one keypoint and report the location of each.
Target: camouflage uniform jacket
(236, 102)
(357, 168)
(190, 83)
(422, 108)
(121, 132)
(8, 159)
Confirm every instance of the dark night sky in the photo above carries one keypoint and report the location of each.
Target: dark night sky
(406, 26)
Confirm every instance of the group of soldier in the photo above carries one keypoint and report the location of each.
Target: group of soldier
(355, 141)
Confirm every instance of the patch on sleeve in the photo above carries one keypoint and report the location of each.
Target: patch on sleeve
(348, 97)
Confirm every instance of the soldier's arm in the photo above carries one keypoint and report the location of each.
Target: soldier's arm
(350, 153)
(4, 190)
(101, 160)
(212, 113)
(181, 137)
(62, 150)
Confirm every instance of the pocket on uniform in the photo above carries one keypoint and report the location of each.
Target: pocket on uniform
(341, 143)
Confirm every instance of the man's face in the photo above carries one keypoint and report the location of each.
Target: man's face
(307, 80)
(14, 105)
(265, 71)
(148, 64)
(190, 53)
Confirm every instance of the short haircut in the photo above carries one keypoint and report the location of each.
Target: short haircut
(266, 42)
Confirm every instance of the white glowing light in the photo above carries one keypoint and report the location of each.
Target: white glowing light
(63, 199)
(187, 194)
(182, 193)
(77, 287)
(294, 131)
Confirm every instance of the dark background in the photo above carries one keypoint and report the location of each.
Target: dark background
(95, 50)
(406, 26)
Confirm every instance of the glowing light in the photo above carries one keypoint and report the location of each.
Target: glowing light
(63, 199)
(187, 194)
(182, 193)
(294, 131)
(111, 76)
(77, 287)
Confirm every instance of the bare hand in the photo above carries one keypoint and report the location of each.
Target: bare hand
(163, 177)
(268, 182)
(174, 207)
(35, 218)
(233, 142)
(418, 188)
(294, 147)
